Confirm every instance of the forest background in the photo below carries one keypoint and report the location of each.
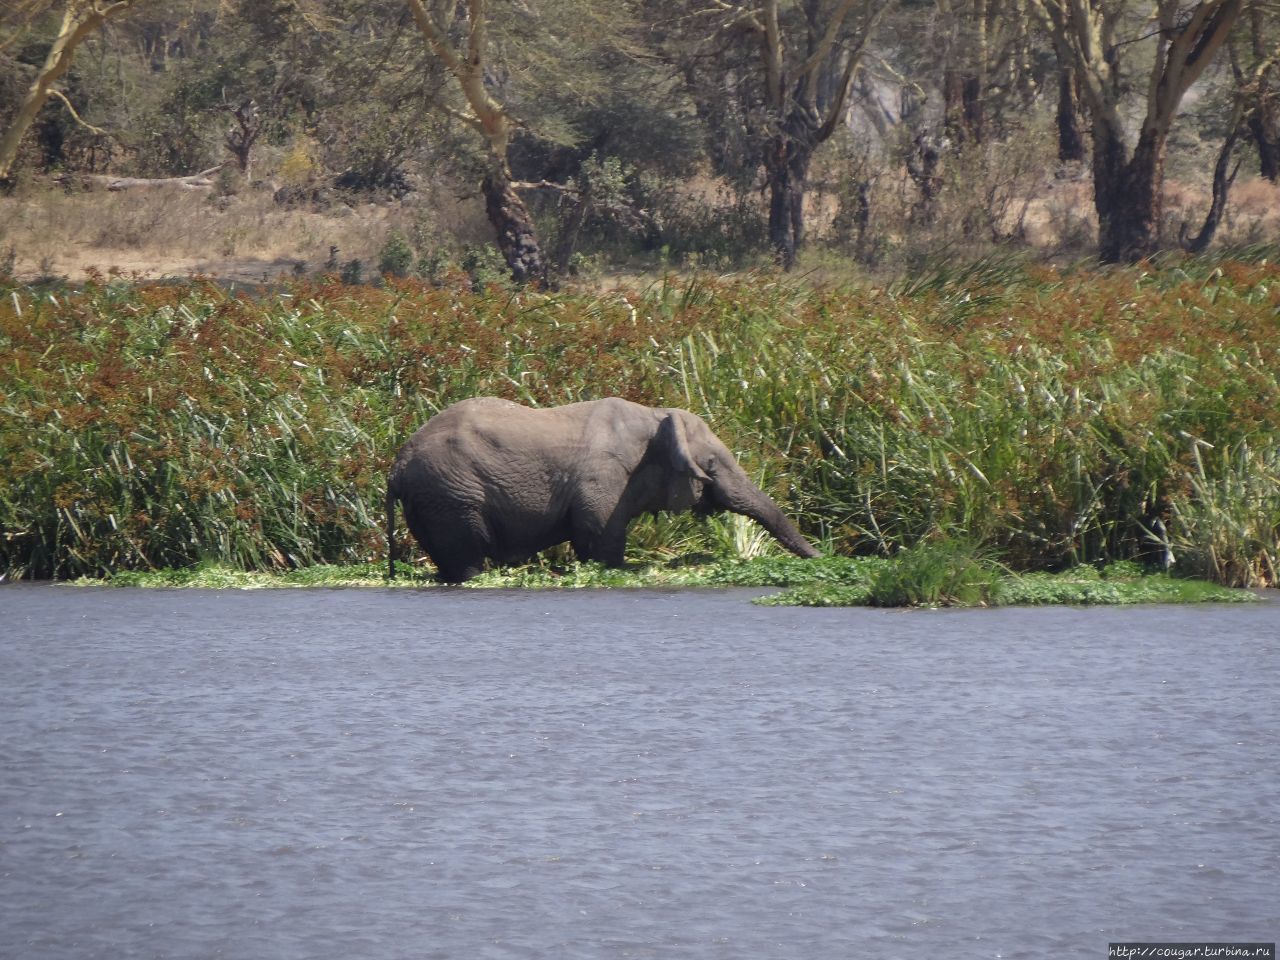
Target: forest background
(551, 137)
(534, 199)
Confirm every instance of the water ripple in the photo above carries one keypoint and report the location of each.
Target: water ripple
(462, 774)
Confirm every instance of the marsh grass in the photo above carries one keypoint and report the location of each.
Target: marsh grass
(1058, 419)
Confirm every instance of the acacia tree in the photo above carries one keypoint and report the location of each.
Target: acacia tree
(467, 63)
(798, 52)
(789, 67)
(1128, 182)
(525, 76)
(1252, 115)
(1258, 76)
(80, 20)
(988, 65)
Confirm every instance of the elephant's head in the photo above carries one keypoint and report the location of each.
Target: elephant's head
(706, 477)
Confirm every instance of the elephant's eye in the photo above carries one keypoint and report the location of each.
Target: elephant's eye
(711, 466)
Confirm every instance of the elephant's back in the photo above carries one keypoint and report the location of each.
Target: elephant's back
(471, 412)
(458, 420)
(471, 434)
(454, 439)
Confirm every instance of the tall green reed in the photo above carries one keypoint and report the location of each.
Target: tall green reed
(1054, 418)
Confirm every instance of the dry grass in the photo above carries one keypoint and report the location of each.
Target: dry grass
(1254, 211)
(172, 232)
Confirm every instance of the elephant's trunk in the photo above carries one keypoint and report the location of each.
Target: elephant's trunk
(748, 500)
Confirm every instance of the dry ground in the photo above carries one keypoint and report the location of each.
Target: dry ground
(174, 232)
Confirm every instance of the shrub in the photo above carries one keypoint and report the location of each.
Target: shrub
(352, 272)
(299, 167)
(396, 256)
(484, 264)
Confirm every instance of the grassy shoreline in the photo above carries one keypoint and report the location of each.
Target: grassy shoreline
(827, 582)
(1049, 419)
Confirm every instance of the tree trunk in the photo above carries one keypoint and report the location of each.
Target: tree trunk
(1128, 196)
(196, 181)
(923, 165)
(963, 116)
(1070, 138)
(570, 227)
(517, 238)
(241, 137)
(975, 117)
(1264, 127)
(1264, 118)
(1222, 180)
(787, 170)
(860, 215)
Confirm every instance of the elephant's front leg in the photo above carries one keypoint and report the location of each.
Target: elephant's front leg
(606, 543)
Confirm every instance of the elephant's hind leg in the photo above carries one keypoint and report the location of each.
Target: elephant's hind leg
(453, 538)
(458, 552)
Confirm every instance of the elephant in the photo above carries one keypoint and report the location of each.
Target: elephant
(488, 479)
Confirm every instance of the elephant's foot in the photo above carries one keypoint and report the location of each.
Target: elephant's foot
(459, 567)
(452, 574)
(609, 551)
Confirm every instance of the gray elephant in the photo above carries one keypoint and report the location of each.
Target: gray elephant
(491, 479)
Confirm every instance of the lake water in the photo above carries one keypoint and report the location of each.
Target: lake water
(473, 774)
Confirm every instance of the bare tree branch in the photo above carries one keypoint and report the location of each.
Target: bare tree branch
(75, 116)
(80, 19)
(836, 109)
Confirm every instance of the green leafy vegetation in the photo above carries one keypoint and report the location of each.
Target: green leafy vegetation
(950, 572)
(948, 575)
(1051, 420)
(827, 582)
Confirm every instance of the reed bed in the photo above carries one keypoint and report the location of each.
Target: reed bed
(1047, 418)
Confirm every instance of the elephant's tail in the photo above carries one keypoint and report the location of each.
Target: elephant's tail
(392, 500)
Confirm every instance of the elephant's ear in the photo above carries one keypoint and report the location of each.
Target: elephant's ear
(674, 444)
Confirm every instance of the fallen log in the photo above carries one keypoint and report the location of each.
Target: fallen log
(196, 181)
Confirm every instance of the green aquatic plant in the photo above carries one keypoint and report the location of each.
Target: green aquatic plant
(219, 576)
(939, 573)
(824, 582)
(787, 571)
(1071, 588)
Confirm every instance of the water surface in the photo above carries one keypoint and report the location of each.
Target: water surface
(371, 774)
